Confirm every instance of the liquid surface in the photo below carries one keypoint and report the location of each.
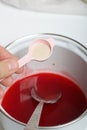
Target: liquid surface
(20, 105)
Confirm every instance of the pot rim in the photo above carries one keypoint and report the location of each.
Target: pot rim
(44, 127)
(50, 34)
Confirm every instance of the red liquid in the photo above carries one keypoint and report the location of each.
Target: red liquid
(19, 104)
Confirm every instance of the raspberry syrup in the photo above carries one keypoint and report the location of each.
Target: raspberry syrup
(20, 105)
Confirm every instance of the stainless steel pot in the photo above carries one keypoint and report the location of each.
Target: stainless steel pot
(65, 50)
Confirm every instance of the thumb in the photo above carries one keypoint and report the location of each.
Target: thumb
(7, 67)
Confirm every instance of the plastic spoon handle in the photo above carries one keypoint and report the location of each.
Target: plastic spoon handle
(24, 60)
(35, 118)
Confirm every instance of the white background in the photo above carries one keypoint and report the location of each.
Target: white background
(15, 23)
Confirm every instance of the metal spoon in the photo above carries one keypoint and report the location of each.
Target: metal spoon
(35, 118)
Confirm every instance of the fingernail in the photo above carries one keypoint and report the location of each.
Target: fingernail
(7, 67)
(12, 64)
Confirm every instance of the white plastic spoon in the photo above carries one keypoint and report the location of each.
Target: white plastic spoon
(39, 50)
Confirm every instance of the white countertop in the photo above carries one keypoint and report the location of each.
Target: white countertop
(15, 23)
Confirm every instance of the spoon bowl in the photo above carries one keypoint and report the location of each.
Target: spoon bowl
(39, 50)
(33, 122)
(50, 99)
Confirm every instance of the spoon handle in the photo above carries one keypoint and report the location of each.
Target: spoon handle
(23, 60)
(35, 118)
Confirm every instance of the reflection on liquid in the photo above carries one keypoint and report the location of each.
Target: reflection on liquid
(25, 88)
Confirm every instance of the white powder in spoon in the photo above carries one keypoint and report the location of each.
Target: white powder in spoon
(41, 51)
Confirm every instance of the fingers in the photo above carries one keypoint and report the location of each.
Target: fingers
(7, 81)
(5, 54)
(7, 67)
(1, 92)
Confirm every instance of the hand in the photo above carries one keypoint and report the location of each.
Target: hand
(8, 65)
